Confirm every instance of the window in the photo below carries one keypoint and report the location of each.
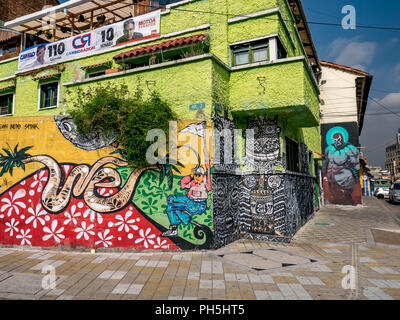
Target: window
(292, 155)
(48, 95)
(6, 104)
(250, 53)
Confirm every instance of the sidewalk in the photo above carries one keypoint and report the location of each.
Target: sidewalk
(308, 268)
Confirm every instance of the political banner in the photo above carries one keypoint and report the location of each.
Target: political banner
(128, 30)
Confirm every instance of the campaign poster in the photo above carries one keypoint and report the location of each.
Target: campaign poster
(128, 30)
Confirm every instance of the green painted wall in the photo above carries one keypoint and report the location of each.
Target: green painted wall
(181, 85)
(285, 86)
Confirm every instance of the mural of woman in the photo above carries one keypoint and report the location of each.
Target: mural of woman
(341, 168)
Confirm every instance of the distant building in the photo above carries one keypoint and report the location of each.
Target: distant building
(392, 163)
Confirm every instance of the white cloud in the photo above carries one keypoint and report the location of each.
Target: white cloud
(352, 52)
(392, 100)
(357, 54)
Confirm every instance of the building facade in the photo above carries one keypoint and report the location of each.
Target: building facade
(392, 163)
(225, 67)
(344, 97)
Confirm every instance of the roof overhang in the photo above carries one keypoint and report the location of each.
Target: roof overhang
(65, 20)
(304, 32)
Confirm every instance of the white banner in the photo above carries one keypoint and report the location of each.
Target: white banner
(129, 30)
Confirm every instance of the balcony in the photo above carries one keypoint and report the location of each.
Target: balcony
(284, 87)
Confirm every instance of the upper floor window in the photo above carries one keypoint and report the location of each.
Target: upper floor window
(260, 50)
(250, 53)
(6, 104)
(48, 95)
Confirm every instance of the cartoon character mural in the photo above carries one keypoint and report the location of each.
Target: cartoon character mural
(341, 168)
(92, 198)
(182, 207)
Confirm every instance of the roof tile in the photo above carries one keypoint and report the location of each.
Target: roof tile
(169, 44)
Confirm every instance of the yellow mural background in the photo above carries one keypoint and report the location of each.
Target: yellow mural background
(47, 139)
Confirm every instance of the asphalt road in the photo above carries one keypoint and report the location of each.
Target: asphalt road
(394, 208)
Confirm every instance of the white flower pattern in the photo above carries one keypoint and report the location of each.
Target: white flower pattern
(39, 178)
(12, 226)
(56, 234)
(93, 215)
(146, 237)
(71, 217)
(36, 216)
(124, 223)
(104, 238)
(161, 244)
(25, 236)
(84, 231)
(12, 204)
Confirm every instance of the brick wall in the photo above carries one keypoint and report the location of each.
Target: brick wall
(11, 9)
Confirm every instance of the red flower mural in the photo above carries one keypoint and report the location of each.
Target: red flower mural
(24, 221)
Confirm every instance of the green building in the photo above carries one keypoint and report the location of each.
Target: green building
(238, 65)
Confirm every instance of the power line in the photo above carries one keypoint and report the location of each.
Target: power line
(286, 20)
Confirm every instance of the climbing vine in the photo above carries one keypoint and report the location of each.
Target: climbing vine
(113, 109)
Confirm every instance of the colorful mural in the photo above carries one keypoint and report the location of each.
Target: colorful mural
(341, 167)
(68, 192)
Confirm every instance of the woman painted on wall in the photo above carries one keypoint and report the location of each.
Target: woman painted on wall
(181, 208)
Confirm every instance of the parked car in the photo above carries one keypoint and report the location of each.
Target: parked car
(394, 192)
(382, 192)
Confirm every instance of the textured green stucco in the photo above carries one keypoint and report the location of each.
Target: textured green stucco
(173, 83)
(285, 89)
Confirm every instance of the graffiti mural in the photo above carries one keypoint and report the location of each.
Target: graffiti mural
(81, 195)
(341, 166)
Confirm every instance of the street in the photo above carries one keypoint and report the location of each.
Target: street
(394, 208)
(341, 253)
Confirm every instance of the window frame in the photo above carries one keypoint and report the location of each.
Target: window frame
(293, 141)
(249, 49)
(274, 45)
(12, 105)
(40, 95)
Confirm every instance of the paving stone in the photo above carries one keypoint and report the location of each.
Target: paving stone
(261, 295)
(134, 288)
(118, 275)
(281, 257)
(106, 274)
(373, 293)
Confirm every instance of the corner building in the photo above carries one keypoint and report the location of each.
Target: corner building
(223, 65)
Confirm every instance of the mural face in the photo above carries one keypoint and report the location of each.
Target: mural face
(341, 166)
(52, 197)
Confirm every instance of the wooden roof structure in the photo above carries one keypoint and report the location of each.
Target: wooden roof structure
(71, 18)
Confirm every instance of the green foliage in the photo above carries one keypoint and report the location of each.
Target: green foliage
(111, 108)
(13, 159)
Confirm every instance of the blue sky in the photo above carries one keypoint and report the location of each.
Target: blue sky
(374, 51)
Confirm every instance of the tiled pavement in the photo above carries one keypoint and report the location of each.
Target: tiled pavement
(309, 268)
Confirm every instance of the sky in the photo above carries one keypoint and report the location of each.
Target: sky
(373, 51)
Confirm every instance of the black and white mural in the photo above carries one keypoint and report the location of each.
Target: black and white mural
(258, 202)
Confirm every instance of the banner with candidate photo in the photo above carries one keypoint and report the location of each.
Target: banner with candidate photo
(126, 31)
